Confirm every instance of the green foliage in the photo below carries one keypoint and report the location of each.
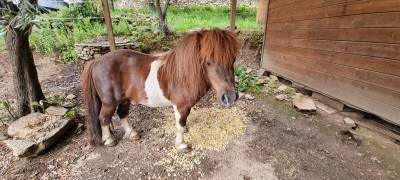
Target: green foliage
(148, 41)
(21, 16)
(123, 27)
(71, 114)
(55, 100)
(60, 35)
(41, 105)
(247, 81)
(88, 9)
(70, 56)
(183, 18)
(6, 107)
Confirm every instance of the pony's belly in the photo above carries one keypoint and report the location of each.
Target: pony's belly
(156, 102)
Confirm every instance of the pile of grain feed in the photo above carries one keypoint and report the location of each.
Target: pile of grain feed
(175, 162)
(210, 128)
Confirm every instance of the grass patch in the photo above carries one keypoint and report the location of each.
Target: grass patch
(183, 18)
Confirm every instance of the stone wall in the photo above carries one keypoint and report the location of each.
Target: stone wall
(94, 50)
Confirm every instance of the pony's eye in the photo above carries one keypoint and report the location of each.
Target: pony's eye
(208, 63)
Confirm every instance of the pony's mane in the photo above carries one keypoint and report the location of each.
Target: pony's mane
(185, 64)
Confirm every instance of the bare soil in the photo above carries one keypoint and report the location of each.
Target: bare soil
(279, 143)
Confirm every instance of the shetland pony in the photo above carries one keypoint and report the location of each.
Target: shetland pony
(179, 78)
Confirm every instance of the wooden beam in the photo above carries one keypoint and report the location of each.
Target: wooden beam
(265, 31)
(233, 15)
(107, 18)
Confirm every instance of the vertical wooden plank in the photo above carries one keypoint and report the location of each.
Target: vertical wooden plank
(263, 56)
(107, 17)
(262, 11)
(233, 15)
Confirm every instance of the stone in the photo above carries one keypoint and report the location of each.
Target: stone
(281, 97)
(3, 136)
(56, 111)
(353, 115)
(335, 104)
(261, 80)
(273, 78)
(35, 132)
(249, 97)
(261, 72)
(241, 94)
(349, 122)
(282, 88)
(22, 148)
(25, 126)
(248, 70)
(325, 108)
(68, 105)
(303, 103)
(70, 97)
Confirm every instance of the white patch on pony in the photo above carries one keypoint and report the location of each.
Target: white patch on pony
(127, 127)
(179, 141)
(154, 94)
(107, 137)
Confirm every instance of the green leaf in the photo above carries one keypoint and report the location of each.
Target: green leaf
(71, 114)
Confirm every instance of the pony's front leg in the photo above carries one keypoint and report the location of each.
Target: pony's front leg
(181, 115)
(123, 112)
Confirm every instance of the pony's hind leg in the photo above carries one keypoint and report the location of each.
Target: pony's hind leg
(105, 116)
(123, 112)
(180, 120)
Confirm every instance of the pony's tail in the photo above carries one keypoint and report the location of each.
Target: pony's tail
(92, 104)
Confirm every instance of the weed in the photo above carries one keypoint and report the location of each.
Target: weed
(41, 105)
(5, 106)
(71, 114)
(55, 100)
(247, 81)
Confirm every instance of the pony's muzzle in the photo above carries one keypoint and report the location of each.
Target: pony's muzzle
(229, 98)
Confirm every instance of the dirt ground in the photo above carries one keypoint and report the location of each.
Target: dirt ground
(278, 143)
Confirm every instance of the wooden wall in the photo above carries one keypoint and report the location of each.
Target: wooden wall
(346, 49)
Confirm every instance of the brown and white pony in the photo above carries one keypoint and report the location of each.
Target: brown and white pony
(178, 78)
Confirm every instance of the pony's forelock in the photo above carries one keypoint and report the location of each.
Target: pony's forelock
(185, 64)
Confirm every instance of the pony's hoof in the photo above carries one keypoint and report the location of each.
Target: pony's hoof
(110, 142)
(133, 136)
(183, 148)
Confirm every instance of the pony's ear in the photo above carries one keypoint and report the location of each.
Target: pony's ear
(200, 35)
(237, 31)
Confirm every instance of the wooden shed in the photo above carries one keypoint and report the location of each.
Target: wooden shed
(348, 50)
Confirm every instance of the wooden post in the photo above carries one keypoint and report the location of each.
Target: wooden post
(262, 13)
(107, 18)
(233, 15)
(263, 57)
(112, 4)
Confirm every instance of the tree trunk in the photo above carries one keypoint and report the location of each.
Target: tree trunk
(35, 90)
(162, 13)
(25, 79)
(15, 44)
(151, 6)
(26, 82)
